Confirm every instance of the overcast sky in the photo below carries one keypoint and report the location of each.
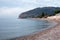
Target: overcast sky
(17, 6)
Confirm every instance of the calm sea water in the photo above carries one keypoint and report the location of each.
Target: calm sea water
(11, 28)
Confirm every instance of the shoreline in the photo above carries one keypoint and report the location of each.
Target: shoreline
(39, 34)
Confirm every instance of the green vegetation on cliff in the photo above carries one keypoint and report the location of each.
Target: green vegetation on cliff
(57, 11)
(44, 15)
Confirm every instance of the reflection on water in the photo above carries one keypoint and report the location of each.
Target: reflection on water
(11, 28)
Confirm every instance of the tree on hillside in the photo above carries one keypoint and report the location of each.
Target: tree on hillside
(56, 11)
(43, 14)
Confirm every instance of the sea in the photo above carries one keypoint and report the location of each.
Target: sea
(14, 27)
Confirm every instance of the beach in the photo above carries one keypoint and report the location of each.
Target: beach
(52, 33)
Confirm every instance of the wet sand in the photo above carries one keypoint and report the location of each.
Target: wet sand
(52, 33)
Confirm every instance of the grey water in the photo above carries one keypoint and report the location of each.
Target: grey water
(13, 27)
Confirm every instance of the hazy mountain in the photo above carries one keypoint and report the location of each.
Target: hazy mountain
(38, 11)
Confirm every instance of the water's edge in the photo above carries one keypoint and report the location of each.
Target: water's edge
(53, 24)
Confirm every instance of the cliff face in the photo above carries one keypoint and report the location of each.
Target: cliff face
(38, 11)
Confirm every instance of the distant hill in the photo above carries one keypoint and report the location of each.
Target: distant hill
(38, 12)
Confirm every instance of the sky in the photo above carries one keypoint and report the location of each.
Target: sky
(16, 7)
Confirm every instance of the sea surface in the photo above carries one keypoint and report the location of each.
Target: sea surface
(13, 27)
